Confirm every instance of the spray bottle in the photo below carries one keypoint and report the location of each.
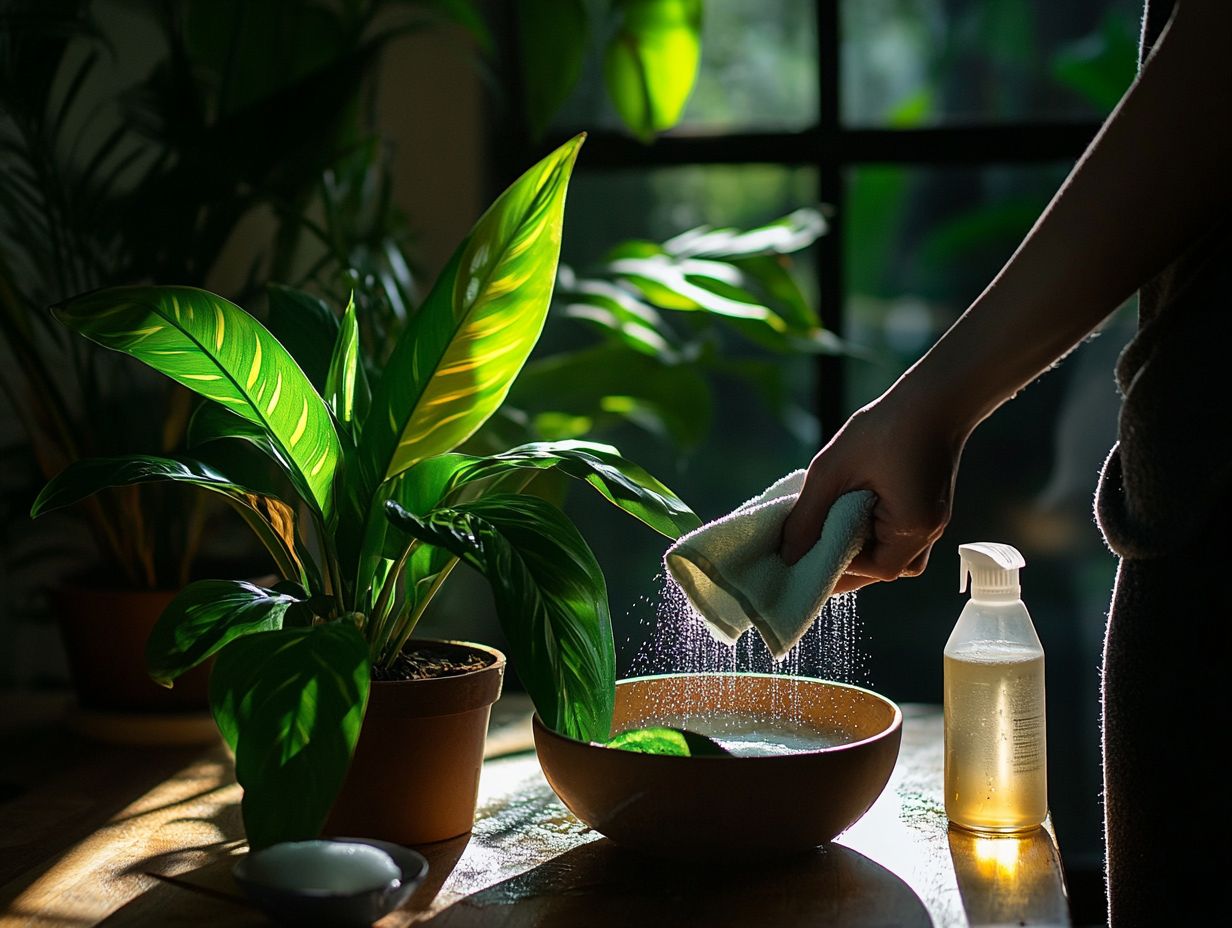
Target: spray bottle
(995, 758)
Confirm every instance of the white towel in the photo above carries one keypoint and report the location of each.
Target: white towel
(731, 571)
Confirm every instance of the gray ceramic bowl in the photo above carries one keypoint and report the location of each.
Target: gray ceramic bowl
(326, 909)
(724, 807)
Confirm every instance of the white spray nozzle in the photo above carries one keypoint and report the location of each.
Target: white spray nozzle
(992, 567)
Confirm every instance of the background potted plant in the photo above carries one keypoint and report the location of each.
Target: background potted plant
(294, 663)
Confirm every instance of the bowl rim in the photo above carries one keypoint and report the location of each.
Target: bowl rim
(896, 721)
(239, 871)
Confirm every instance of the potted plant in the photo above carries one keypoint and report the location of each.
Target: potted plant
(373, 511)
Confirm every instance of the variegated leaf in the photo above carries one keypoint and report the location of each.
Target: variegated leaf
(221, 352)
(454, 364)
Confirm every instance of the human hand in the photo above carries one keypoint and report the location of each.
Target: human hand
(909, 458)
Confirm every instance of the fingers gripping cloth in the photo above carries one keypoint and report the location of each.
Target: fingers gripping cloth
(732, 574)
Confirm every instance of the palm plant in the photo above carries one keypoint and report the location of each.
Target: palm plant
(375, 508)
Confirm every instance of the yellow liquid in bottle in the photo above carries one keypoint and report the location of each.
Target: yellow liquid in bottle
(995, 766)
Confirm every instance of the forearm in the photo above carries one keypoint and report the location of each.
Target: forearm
(1159, 172)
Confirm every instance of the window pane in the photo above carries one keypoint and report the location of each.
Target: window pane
(748, 446)
(928, 62)
(921, 243)
(758, 71)
(608, 206)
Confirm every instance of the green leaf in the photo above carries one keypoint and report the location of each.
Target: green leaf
(769, 277)
(620, 315)
(694, 284)
(346, 385)
(789, 234)
(770, 330)
(306, 327)
(217, 350)
(454, 363)
(89, 475)
(552, 35)
(290, 703)
(256, 501)
(211, 422)
(677, 742)
(621, 482)
(550, 597)
(651, 63)
(206, 615)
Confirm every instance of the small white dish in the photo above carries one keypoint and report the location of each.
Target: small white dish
(311, 883)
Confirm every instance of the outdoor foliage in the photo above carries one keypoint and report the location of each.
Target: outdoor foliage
(651, 53)
(658, 310)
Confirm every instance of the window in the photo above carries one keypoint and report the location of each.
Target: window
(936, 131)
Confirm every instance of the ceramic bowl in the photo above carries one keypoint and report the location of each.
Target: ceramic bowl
(706, 807)
(336, 909)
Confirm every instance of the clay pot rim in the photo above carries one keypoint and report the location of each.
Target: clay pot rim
(498, 656)
(896, 723)
(439, 696)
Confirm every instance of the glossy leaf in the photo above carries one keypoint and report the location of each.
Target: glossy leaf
(791, 233)
(676, 742)
(770, 330)
(85, 477)
(454, 363)
(552, 37)
(346, 385)
(217, 350)
(770, 278)
(620, 314)
(254, 498)
(621, 482)
(290, 703)
(204, 617)
(212, 422)
(678, 284)
(550, 597)
(740, 277)
(651, 63)
(273, 523)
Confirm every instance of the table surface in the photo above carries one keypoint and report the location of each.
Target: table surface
(94, 834)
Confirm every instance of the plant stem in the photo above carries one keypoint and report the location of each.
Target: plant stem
(383, 606)
(404, 634)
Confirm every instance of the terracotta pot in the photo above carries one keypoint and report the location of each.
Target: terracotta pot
(729, 807)
(104, 634)
(415, 775)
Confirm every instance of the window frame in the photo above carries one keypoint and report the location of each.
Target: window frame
(831, 149)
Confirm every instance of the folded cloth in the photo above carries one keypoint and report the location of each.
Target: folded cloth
(732, 574)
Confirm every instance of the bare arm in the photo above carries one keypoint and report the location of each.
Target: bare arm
(1158, 173)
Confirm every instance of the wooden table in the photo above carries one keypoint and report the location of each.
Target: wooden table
(92, 834)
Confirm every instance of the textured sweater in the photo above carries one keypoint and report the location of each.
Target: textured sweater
(1173, 460)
